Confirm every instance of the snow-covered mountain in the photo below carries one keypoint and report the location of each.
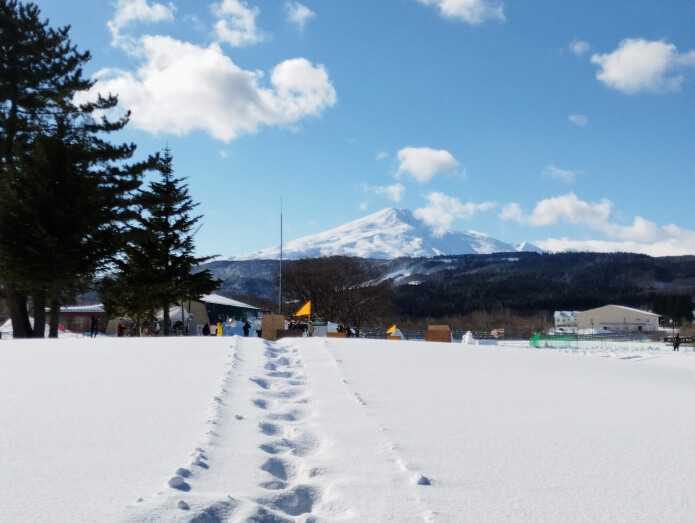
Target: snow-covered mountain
(389, 233)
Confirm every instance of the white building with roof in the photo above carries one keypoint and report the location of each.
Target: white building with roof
(566, 320)
(617, 318)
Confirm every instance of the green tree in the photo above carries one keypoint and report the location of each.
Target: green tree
(159, 265)
(676, 307)
(64, 189)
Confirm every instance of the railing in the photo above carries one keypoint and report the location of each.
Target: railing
(572, 339)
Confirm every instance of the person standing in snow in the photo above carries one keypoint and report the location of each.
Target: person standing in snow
(677, 342)
(247, 327)
(206, 330)
(93, 326)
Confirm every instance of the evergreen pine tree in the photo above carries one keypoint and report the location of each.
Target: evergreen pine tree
(64, 189)
(158, 269)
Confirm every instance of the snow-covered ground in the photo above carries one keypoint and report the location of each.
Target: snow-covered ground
(239, 429)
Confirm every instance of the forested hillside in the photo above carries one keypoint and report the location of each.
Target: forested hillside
(526, 283)
(530, 282)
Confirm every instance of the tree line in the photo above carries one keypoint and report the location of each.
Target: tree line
(503, 285)
(73, 207)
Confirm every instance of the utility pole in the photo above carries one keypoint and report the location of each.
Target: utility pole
(280, 284)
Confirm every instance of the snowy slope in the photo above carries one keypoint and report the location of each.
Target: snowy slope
(389, 233)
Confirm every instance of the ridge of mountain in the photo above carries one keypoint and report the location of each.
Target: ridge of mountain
(387, 234)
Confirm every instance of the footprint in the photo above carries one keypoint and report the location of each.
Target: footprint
(275, 467)
(263, 515)
(260, 382)
(360, 400)
(216, 513)
(179, 483)
(280, 374)
(274, 485)
(270, 448)
(269, 429)
(260, 403)
(300, 500)
(287, 416)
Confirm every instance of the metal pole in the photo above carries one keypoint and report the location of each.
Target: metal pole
(280, 286)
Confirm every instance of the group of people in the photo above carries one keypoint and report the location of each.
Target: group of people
(349, 331)
(208, 330)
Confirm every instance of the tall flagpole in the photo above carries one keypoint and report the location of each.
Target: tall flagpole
(280, 286)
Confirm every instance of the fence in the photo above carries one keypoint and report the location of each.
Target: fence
(419, 335)
(569, 340)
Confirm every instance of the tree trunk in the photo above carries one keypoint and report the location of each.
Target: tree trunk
(55, 317)
(17, 305)
(166, 320)
(40, 314)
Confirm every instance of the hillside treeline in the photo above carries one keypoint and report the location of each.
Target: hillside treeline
(472, 290)
(530, 283)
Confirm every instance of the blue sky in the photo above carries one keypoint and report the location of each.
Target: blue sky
(567, 124)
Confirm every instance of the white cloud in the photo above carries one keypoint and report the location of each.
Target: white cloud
(133, 11)
(579, 47)
(668, 247)
(392, 192)
(579, 120)
(567, 208)
(181, 87)
(382, 155)
(560, 174)
(642, 236)
(642, 65)
(298, 14)
(441, 210)
(422, 163)
(471, 11)
(237, 23)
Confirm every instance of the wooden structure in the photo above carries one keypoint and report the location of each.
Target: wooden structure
(78, 318)
(271, 324)
(438, 333)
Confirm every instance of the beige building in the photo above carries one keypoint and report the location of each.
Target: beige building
(617, 318)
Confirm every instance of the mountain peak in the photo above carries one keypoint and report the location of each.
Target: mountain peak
(388, 233)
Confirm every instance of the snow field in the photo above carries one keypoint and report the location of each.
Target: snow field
(240, 429)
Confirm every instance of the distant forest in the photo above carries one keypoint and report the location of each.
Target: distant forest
(498, 285)
(529, 283)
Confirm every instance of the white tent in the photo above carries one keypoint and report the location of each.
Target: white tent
(176, 313)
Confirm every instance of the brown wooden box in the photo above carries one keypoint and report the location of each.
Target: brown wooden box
(438, 333)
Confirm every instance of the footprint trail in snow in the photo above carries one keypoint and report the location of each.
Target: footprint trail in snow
(286, 440)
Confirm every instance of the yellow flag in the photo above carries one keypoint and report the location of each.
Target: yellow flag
(304, 310)
(391, 329)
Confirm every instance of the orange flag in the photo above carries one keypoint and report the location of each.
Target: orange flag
(304, 310)
(391, 329)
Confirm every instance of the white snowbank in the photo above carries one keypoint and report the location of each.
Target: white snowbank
(239, 429)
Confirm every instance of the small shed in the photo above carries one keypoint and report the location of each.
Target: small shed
(273, 328)
(438, 333)
(77, 318)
